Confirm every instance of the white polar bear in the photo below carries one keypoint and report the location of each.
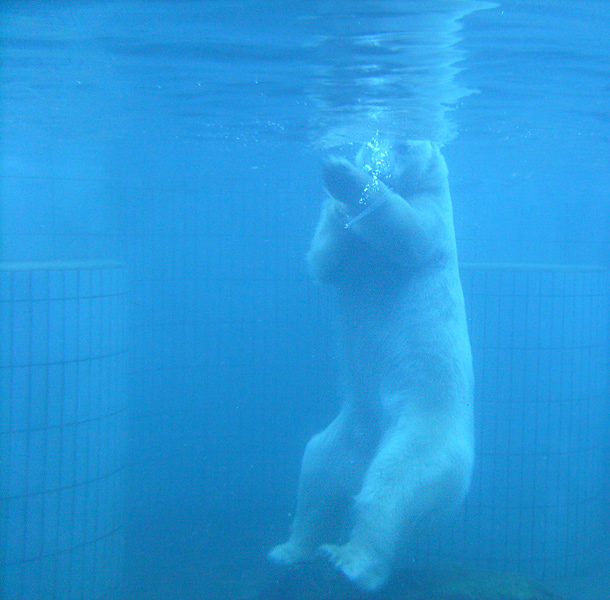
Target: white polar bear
(401, 450)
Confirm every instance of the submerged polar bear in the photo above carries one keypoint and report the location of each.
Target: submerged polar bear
(400, 452)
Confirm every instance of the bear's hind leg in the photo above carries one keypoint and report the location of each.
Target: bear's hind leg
(408, 481)
(330, 474)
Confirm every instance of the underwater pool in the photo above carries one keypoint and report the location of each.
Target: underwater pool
(164, 353)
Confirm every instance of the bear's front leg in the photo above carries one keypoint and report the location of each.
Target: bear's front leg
(329, 245)
(378, 216)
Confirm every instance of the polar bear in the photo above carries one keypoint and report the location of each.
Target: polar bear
(401, 450)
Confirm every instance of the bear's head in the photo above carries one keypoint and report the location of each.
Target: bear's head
(406, 167)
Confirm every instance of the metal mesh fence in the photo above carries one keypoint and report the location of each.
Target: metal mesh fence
(540, 344)
(62, 430)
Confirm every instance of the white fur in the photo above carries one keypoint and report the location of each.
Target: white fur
(400, 452)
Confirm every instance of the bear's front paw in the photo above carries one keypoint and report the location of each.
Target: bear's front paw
(361, 567)
(345, 182)
(288, 554)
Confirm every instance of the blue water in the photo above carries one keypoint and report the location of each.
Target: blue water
(184, 139)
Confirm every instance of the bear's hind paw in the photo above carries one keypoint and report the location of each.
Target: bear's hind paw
(362, 568)
(288, 553)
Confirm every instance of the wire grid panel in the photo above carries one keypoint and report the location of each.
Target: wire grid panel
(62, 430)
(540, 346)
